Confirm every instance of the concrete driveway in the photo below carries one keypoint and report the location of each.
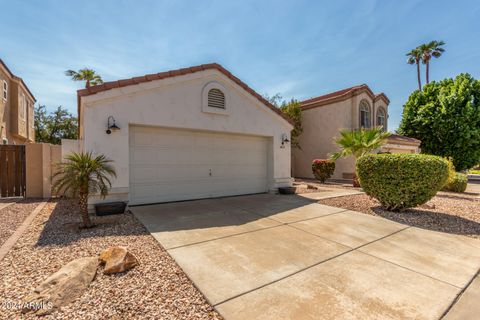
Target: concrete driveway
(288, 257)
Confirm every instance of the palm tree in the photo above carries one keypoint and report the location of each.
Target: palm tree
(87, 75)
(414, 57)
(81, 175)
(429, 50)
(358, 143)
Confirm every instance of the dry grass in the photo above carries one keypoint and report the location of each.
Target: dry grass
(446, 212)
(156, 289)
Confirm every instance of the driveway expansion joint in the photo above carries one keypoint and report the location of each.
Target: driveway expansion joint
(308, 267)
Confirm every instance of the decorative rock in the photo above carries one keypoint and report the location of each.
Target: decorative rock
(117, 259)
(62, 287)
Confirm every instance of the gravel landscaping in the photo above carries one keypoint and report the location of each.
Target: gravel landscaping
(12, 216)
(155, 289)
(446, 212)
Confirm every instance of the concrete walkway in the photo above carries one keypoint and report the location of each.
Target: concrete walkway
(288, 257)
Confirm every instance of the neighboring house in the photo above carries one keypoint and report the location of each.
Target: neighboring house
(16, 109)
(324, 116)
(401, 144)
(191, 133)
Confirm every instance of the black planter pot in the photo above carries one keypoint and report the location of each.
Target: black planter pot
(287, 190)
(105, 209)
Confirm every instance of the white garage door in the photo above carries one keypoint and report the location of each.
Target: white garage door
(171, 165)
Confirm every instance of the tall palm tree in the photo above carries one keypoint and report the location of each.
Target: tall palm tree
(81, 175)
(88, 75)
(414, 57)
(429, 50)
(358, 143)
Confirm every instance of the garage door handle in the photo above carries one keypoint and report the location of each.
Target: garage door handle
(210, 172)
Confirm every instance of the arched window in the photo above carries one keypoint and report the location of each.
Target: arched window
(382, 118)
(365, 115)
(216, 98)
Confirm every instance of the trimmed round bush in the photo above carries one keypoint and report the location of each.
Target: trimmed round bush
(323, 169)
(458, 183)
(400, 181)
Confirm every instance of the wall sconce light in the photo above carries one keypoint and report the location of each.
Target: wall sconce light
(284, 140)
(111, 126)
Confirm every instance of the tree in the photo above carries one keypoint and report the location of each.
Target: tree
(55, 126)
(429, 50)
(293, 111)
(85, 74)
(358, 143)
(81, 175)
(414, 57)
(445, 116)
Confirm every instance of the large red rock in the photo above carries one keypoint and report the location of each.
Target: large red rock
(117, 259)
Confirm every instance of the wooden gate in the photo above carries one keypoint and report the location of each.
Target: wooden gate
(12, 171)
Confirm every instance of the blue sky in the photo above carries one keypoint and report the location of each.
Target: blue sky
(297, 48)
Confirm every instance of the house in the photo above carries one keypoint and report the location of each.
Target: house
(16, 109)
(324, 116)
(191, 133)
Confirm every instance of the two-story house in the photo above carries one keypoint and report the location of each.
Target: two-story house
(16, 109)
(324, 116)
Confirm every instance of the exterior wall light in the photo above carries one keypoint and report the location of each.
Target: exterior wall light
(111, 126)
(284, 140)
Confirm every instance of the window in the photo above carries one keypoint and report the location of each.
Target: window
(381, 118)
(365, 121)
(5, 90)
(23, 107)
(216, 98)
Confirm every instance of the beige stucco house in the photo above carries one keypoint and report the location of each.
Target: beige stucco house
(185, 134)
(16, 109)
(324, 116)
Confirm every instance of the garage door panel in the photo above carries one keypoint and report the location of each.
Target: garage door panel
(170, 165)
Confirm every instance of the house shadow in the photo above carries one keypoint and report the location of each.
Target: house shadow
(431, 220)
(214, 213)
(63, 226)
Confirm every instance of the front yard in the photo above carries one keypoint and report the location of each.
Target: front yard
(446, 212)
(155, 289)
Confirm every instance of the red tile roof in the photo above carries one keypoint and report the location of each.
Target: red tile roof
(396, 138)
(17, 78)
(341, 95)
(173, 73)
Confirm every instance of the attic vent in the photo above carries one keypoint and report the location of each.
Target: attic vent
(216, 99)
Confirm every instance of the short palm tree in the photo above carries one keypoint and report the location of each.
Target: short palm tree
(358, 143)
(429, 50)
(88, 75)
(415, 57)
(83, 174)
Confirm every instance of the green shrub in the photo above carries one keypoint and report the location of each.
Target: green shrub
(458, 183)
(400, 181)
(323, 169)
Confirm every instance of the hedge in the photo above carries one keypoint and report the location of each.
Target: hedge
(400, 181)
(323, 169)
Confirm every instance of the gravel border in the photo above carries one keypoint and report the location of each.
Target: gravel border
(12, 216)
(456, 214)
(155, 289)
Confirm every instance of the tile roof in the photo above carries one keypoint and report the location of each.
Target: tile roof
(173, 73)
(396, 138)
(16, 78)
(341, 95)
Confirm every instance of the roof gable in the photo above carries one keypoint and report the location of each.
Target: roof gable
(342, 95)
(173, 73)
